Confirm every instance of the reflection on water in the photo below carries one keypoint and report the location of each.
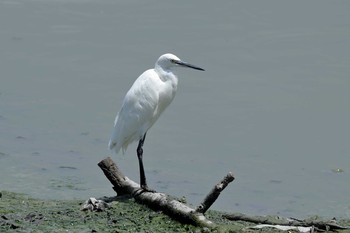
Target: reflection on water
(272, 105)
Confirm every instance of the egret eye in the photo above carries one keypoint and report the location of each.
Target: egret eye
(174, 61)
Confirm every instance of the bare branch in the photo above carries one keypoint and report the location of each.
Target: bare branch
(318, 224)
(214, 193)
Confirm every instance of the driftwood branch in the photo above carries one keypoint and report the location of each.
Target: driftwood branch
(317, 224)
(214, 193)
(121, 184)
(160, 201)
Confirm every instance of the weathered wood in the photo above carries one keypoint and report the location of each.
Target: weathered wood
(121, 184)
(318, 224)
(214, 193)
(160, 201)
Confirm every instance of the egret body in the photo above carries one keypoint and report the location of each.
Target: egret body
(147, 98)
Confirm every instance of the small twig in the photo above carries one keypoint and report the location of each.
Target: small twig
(214, 193)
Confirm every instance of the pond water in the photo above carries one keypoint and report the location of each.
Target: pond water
(272, 106)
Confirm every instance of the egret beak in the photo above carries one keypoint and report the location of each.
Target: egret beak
(185, 64)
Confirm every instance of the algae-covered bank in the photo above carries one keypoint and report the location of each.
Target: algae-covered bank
(20, 213)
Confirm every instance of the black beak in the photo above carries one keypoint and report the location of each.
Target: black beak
(185, 64)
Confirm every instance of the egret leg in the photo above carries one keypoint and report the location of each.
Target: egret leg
(143, 182)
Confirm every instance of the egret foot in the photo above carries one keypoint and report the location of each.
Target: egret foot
(146, 189)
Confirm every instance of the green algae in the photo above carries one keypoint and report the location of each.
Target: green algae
(20, 213)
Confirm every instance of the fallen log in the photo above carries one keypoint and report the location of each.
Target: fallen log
(160, 201)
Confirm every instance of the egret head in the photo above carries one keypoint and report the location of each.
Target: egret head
(168, 60)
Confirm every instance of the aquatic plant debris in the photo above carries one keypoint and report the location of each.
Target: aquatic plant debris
(93, 204)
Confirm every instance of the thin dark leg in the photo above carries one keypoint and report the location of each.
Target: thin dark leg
(143, 182)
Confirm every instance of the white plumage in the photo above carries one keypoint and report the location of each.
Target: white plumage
(147, 98)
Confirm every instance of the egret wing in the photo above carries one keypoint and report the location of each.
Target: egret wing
(137, 113)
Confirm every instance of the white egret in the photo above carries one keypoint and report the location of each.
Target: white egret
(147, 98)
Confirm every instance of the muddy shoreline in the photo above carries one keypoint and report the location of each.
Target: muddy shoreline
(21, 213)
